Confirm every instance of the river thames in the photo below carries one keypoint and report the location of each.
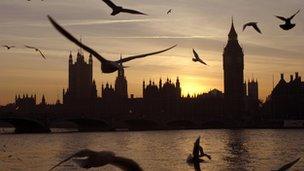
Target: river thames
(260, 149)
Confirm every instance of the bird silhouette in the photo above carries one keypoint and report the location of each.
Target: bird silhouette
(118, 9)
(288, 165)
(197, 58)
(107, 66)
(252, 24)
(288, 25)
(197, 153)
(87, 159)
(169, 11)
(37, 50)
(8, 47)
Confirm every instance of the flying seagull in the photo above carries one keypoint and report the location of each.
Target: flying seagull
(197, 58)
(288, 25)
(288, 165)
(107, 66)
(37, 50)
(8, 47)
(170, 11)
(254, 25)
(87, 159)
(118, 9)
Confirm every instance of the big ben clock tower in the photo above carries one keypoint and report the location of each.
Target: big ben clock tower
(233, 61)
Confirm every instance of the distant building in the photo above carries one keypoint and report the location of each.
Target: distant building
(233, 64)
(82, 89)
(286, 100)
(108, 92)
(253, 89)
(25, 102)
(165, 91)
(162, 101)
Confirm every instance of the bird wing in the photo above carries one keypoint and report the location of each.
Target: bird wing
(143, 55)
(255, 26)
(282, 18)
(81, 153)
(74, 40)
(41, 54)
(30, 47)
(125, 164)
(288, 165)
(198, 58)
(244, 26)
(203, 62)
(294, 15)
(131, 11)
(110, 3)
(195, 54)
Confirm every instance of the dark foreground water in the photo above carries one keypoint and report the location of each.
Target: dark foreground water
(158, 150)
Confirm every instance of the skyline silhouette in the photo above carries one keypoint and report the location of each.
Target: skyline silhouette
(214, 70)
(23, 72)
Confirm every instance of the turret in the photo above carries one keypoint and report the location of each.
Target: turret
(90, 59)
(160, 83)
(70, 58)
(282, 76)
(177, 82)
(43, 102)
(144, 88)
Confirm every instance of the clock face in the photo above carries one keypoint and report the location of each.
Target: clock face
(233, 61)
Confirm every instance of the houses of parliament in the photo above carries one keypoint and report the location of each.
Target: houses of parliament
(163, 99)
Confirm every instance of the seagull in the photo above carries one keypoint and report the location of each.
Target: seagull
(118, 9)
(37, 50)
(254, 25)
(197, 153)
(107, 66)
(170, 11)
(8, 47)
(87, 159)
(288, 165)
(288, 25)
(197, 58)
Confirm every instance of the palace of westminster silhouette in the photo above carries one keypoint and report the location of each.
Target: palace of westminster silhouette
(162, 100)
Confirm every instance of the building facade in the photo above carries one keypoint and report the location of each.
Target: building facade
(121, 84)
(82, 89)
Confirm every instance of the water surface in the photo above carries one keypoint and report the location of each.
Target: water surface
(158, 150)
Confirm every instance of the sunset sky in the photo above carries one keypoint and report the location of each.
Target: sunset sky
(199, 24)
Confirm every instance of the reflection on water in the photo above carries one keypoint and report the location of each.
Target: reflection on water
(158, 150)
(238, 155)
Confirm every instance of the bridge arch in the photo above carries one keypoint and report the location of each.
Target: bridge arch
(24, 125)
